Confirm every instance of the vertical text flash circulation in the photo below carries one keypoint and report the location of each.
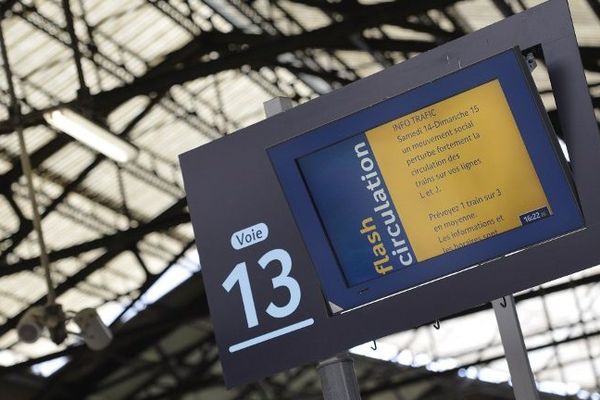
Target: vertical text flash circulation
(383, 258)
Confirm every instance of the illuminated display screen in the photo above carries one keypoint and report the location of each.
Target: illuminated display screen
(425, 184)
(443, 177)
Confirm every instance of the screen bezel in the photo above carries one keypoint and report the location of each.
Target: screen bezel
(540, 141)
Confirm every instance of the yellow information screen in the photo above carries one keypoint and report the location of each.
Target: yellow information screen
(450, 174)
(458, 171)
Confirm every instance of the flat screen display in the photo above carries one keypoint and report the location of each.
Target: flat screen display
(438, 179)
(425, 184)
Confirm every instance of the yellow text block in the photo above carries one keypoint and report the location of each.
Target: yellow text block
(458, 171)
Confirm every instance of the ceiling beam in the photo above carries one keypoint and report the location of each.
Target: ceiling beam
(115, 240)
(269, 48)
(590, 57)
(255, 53)
(402, 45)
(119, 243)
(89, 368)
(595, 6)
(6, 7)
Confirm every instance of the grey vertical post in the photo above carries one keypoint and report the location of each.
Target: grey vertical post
(338, 379)
(277, 105)
(514, 349)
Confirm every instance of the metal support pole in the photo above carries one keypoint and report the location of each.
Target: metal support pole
(15, 114)
(83, 89)
(514, 349)
(338, 379)
(277, 105)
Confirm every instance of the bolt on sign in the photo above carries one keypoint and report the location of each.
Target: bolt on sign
(433, 186)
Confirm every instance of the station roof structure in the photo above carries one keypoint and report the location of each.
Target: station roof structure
(168, 76)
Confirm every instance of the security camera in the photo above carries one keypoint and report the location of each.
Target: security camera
(95, 333)
(31, 326)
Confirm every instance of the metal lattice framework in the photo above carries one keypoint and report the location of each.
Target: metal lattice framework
(169, 75)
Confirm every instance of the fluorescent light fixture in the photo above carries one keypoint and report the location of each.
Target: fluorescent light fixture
(91, 134)
(48, 368)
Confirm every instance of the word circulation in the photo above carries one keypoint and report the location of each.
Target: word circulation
(385, 214)
(359, 216)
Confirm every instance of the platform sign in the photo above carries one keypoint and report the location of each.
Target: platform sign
(431, 187)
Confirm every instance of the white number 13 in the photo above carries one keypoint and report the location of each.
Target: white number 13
(240, 274)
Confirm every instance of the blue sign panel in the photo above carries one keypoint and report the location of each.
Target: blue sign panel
(338, 181)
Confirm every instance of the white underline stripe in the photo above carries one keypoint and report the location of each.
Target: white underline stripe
(271, 335)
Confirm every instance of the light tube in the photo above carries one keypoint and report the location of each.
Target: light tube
(91, 134)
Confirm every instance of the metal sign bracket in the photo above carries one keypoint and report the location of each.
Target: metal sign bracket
(514, 349)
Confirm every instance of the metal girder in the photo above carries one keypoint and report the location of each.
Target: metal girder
(592, 279)
(80, 377)
(269, 48)
(112, 242)
(118, 243)
(422, 374)
(6, 6)
(74, 351)
(236, 41)
(30, 14)
(590, 56)
(118, 239)
(194, 380)
(340, 6)
(240, 49)
(304, 57)
(171, 364)
(151, 279)
(434, 30)
(6, 180)
(258, 77)
(504, 7)
(255, 54)
(417, 375)
(328, 76)
(595, 5)
(26, 227)
(405, 45)
(37, 158)
(449, 389)
(202, 44)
